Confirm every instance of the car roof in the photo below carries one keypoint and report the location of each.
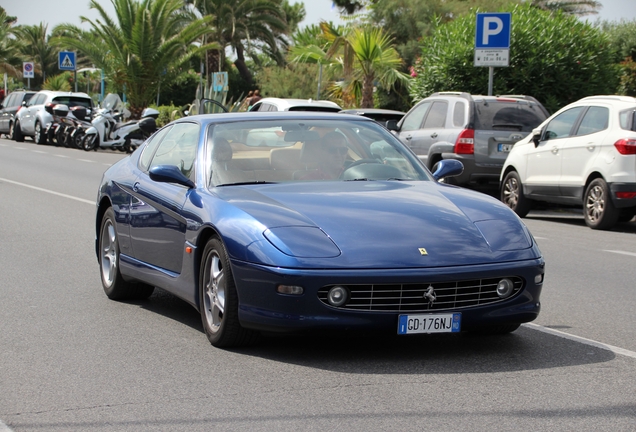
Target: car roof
(288, 103)
(270, 115)
(362, 111)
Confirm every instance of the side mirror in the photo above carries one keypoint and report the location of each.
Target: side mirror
(447, 168)
(170, 174)
(391, 125)
(536, 139)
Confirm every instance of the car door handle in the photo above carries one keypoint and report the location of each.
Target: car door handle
(434, 135)
(136, 187)
(591, 146)
(555, 150)
(408, 137)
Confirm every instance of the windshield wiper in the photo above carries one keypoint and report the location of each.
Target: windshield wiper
(247, 183)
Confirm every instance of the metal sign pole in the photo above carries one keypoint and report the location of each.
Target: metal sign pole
(491, 71)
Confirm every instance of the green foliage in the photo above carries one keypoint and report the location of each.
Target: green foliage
(622, 37)
(181, 90)
(293, 81)
(168, 113)
(58, 82)
(628, 78)
(554, 57)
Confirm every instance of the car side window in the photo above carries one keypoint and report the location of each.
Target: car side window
(256, 107)
(561, 125)
(149, 150)
(413, 120)
(9, 101)
(178, 148)
(595, 119)
(459, 114)
(37, 100)
(436, 117)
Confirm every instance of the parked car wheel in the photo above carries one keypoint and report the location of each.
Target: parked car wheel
(11, 134)
(219, 300)
(39, 137)
(17, 132)
(598, 208)
(115, 287)
(512, 194)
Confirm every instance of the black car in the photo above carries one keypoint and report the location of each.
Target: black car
(377, 114)
(12, 103)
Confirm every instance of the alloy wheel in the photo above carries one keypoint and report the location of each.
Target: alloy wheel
(214, 292)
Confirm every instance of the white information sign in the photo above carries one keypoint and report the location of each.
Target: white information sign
(491, 57)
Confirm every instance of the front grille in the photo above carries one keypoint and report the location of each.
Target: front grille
(411, 297)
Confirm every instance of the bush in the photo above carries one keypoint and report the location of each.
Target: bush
(554, 57)
(167, 113)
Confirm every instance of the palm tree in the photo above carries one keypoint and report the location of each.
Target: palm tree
(244, 25)
(36, 47)
(146, 41)
(9, 60)
(360, 55)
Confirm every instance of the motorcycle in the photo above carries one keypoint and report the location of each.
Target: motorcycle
(108, 131)
(75, 133)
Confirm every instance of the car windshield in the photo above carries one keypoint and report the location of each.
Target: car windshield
(72, 101)
(285, 150)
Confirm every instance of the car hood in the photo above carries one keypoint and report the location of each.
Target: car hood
(383, 224)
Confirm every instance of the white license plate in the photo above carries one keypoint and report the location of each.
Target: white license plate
(504, 147)
(430, 323)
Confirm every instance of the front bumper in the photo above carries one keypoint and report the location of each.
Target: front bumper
(263, 308)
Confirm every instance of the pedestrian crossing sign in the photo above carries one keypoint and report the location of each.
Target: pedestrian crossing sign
(66, 60)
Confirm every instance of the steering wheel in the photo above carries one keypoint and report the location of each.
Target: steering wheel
(358, 162)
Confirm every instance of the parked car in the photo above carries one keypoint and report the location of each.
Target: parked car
(10, 106)
(477, 130)
(33, 118)
(258, 238)
(379, 115)
(280, 104)
(585, 154)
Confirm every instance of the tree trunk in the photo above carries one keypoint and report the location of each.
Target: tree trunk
(213, 61)
(242, 67)
(367, 91)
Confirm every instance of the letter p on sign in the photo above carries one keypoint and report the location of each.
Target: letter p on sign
(493, 30)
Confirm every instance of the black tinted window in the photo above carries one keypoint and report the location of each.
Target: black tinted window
(72, 101)
(436, 117)
(514, 116)
(561, 125)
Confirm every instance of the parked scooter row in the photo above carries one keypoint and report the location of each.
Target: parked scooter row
(75, 127)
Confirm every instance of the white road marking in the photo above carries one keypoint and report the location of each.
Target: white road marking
(39, 151)
(4, 427)
(540, 238)
(86, 160)
(615, 350)
(62, 156)
(621, 252)
(47, 191)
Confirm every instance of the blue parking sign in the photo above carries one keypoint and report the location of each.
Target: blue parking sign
(493, 30)
(66, 60)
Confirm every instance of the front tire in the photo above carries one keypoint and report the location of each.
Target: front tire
(38, 136)
(598, 208)
(90, 142)
(219, 299)
(17, 132)
(512, 194)
(115, 287)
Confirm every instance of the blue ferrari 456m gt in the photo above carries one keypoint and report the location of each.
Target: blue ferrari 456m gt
(310, 221)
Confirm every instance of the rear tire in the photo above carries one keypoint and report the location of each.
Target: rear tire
(38, 136)
(598, 208)
(218, 299)
(115, 287)
(11, 134)
(17, 132)
(512, 195)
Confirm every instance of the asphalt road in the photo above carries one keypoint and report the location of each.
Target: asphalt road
(72, 360)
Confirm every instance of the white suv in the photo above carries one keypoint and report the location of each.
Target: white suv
(32, 119)
(584, 154)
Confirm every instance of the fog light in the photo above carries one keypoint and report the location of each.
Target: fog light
(337, 296)
(538, 278)
(290, 289)
(504, 288)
